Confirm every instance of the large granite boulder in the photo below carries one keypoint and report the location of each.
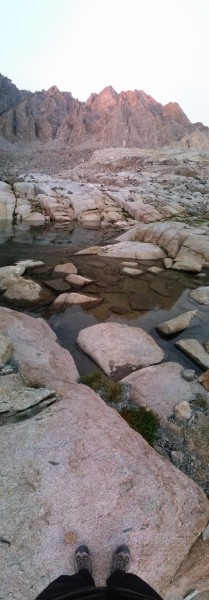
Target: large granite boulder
(136, 250)
(119, 348)
(80, 474)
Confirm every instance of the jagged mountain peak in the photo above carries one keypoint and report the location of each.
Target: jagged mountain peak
(129, 118)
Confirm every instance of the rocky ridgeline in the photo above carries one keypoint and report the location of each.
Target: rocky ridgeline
(73, 452)
(132, 119)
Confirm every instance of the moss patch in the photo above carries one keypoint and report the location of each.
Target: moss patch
(110, 391)
(143, 421)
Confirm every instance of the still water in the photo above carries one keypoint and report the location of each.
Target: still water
(144, 301)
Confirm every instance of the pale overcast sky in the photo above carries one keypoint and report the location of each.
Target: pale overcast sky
(158, 46)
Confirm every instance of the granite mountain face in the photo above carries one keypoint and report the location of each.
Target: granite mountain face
(107, 119)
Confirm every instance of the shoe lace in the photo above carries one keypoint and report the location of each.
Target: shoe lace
(121, 561)
(82, 561)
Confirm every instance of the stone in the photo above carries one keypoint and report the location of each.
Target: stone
(177, 323)
(70, 538)
(37, 366)
(132, 265)
(155, 270)
(59, 454)
(65, 300)
(58, 285)
(188, 374)
(105, 344)
(206, 346)
(65, 269)
(92, 250)
(132, 272)
(168, 263)
(200, 295)
(187, 264)
(77, 281)
(192, 578)
(205, 533)
(15, 396)
(160, 387)
(204, 379)
(195, 351)
(183, 411)
(35, 218)
(5, 350)
(26, 292)
(135, 250)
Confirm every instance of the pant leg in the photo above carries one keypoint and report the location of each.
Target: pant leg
(66, 583)
(132, 582)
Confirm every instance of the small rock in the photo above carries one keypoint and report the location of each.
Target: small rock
(155, 270)
(195, 351)
(77, 281)
(58, 285)
(65, 269)
(132, 272)
(177, 456)
(200, 295)
(132, 265)
(188, 374)
(168, 263)
(183, 411)
(187, 264)
(177, 324)
(65, 300)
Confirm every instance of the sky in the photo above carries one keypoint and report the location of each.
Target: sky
(82, 46)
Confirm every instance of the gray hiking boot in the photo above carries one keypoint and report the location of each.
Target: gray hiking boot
(82, 559)
(121, 559)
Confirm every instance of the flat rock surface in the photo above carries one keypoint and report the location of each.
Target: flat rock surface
(114, 346)
(65, 269)
(5, 350)
(161, 387)
(65, 300)
(154, 508)
(77, 281)
(195, 351)
(138, 250)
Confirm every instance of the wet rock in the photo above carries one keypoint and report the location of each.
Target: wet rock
(195, 351)
(65, 300)
(65, 269)
(137, 250)
(131, 265)
(187, 264)
(200, 295)
(132, 272)
(183, 411)
(177, 323)
(105, 344)
(5, 350)
(26, 292)
(155, 270)
(77, 281)
(58, 285)
(160, 387)
(168, 262)
(206, 346)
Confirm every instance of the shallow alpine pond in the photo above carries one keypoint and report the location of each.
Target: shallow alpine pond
(142, 301)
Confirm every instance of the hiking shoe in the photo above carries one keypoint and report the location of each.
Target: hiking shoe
(121, 559)
(82, 559)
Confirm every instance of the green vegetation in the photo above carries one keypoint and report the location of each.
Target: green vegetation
(200, 401)
(142, 420)
(109, 390)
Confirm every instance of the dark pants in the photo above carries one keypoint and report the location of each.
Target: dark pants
(68, 583)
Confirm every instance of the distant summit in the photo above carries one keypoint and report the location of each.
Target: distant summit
(132, 119)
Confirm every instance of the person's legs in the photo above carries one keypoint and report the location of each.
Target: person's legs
(120, 578)
(66, 583)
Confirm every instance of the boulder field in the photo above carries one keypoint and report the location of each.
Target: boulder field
(75, 471)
